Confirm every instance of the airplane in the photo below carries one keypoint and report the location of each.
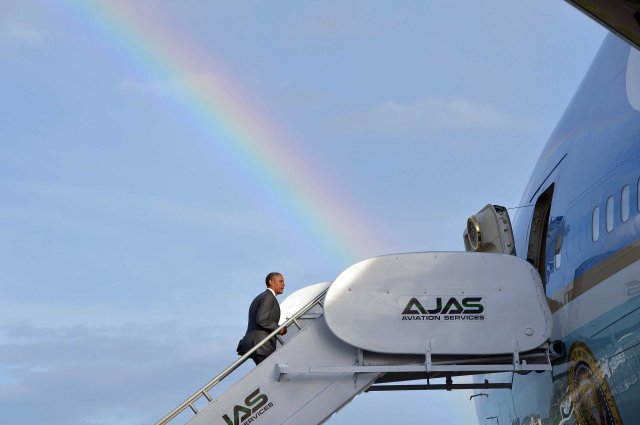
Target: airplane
(581, 231)
(542, 311)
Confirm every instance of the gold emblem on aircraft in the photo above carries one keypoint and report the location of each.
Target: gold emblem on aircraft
(593, 403)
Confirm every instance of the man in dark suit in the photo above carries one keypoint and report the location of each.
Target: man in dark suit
(264, 315)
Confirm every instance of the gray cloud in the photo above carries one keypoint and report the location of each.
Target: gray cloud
(24, 34)
(337, 21)
(94, 202)
(438, 114)
(175, 87)
(130, 374)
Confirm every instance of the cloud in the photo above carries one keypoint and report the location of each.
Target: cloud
(174, 87)
(439, 114)
(337, 21)
(165, 88)
(129, 374)
(459, 119)
(24, 34)
(87, 202)
(74, 254)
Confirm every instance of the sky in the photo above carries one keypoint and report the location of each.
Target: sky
(159, 158)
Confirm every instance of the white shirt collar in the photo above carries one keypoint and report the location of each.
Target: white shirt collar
(273, 292)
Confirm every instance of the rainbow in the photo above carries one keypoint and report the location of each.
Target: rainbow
(259, 156)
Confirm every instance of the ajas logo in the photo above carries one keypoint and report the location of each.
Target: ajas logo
(255, 405)
(443, 307)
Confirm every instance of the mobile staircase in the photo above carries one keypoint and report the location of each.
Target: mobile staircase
(382, 324)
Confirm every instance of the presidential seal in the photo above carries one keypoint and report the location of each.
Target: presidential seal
(593, 403)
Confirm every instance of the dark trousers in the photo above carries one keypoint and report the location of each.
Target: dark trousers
(257, 358)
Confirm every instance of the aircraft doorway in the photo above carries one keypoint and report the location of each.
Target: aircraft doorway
(536, 252)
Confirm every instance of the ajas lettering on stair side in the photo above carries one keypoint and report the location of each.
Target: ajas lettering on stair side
(255, 405)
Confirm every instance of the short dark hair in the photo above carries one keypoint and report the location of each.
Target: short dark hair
(271, 276)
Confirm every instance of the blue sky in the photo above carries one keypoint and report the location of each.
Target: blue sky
(129, 252)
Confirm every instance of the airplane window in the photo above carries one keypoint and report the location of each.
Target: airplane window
(624, 203)
(595, 224)
(609, 220)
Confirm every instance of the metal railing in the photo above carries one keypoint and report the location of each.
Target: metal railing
(204, 391)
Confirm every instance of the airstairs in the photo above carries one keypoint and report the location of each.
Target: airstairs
(383, 325)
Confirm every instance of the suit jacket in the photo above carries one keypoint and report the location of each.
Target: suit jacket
(264, 315)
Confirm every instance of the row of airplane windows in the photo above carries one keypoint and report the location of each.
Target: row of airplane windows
(625, 206)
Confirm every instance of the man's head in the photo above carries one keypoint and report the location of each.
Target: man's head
(275, 281)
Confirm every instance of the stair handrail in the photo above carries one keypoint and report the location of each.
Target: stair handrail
(226, 372)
